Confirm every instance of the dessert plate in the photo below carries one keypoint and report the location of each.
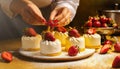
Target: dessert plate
(63, 57)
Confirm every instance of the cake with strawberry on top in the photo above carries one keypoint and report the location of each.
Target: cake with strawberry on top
(30, 40)
(75, 39)
(50, 46)
(92, 39)
(61, 34)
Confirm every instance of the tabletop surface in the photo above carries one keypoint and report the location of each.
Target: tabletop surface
(96, 61)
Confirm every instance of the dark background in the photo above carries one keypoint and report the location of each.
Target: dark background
(90, 8)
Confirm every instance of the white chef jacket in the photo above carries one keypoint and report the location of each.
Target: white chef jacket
(11, 25)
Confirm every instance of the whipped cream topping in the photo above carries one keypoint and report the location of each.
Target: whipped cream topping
(49, 47)
(78, 41)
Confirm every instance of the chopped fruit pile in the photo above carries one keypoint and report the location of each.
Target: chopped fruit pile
(73, 33)
(100, 21)
(49, 36)
(91, 31)
(110, 45)
(116, 62)
(7, 56)
(30, 32)
(73, 51)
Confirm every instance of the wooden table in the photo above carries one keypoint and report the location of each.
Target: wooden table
(96, 61)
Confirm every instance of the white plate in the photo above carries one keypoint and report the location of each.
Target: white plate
(63, 57)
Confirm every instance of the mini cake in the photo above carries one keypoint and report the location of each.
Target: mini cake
(50, 46)
(31, 40)
(61, 34)
(92, 39)
(75, 39)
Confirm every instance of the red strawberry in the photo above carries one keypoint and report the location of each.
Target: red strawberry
(108, 42)
(96, 24)
(52, 23)
(49, 36)
(116, 62)
(117, 47)
(7, 56)
(73, 51)
(30, 32)
(103, 19)
(88, 23)
(104, 25)
(91, 31)
(61, 29)
(104, 49)
(73, 33)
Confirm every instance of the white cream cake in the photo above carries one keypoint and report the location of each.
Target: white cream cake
(50, 48)
(31, 42)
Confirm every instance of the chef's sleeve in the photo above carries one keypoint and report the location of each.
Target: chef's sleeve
(5, 6)
(70, 4)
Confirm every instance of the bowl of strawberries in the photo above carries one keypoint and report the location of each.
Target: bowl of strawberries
(103, 24)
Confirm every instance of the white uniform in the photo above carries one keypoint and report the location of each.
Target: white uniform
(11, 26)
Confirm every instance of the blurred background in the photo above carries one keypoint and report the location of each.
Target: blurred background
(90, 8)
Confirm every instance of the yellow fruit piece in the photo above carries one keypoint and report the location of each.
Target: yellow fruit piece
(61, 36)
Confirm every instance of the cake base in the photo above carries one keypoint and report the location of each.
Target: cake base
(54, 54)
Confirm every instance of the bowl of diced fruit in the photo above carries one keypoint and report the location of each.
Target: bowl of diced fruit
(103, 24)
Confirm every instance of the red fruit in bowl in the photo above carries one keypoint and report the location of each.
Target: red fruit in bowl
(104, 25)
(7, 56)
(30, 32)
(73, 51)
(103, 19)
(49, 36)
(107, 42)
(117, 46)
(91, 31)
(116, 62)
(90, 18)
(96, 18)
(73, 33)
(97, 24)
(88, 23)
(104, 49)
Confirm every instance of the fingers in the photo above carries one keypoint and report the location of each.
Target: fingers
(62, 14)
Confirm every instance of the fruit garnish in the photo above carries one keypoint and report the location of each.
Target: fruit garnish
(73, 51)
(107, 42)
(73, 33)
(104, 49)
(61, 29)
(49, 36)
(116, 62)
(91, 31)
(117, 46)
(52, 23)
(7, 56)
(30, 32)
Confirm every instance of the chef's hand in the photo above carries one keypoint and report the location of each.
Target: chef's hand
(62, 14)
(29, 11)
